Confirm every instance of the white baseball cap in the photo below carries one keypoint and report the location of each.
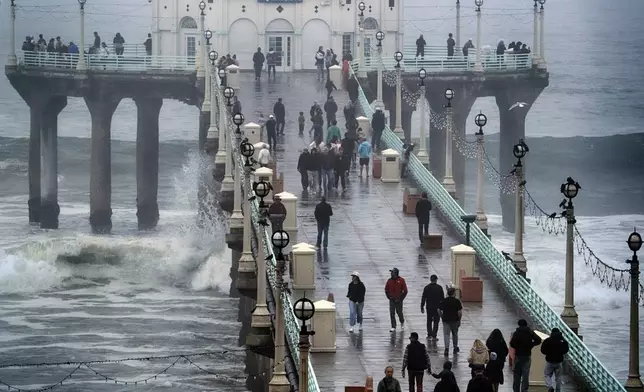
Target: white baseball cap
(356, 274)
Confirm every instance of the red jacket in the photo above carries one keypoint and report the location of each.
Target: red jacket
(396, 289)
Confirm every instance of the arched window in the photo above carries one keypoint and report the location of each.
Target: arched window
(370, 24)
(188, 23)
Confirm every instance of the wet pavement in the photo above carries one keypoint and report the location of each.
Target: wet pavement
(370, 234)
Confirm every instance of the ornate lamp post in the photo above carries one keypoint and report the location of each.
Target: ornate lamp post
(519, 151)
(542, 46)
(12, 59)
(304, 309)
(81, 66)
(448, 180)
(362, 73)
(535, 36)
(570, 189)
(201, 66)
(279, 382)
(422, 149)
(262, 189)
(458, 24)
(634, 380)
(481, 219)
(238, 120)
(237, 218)
(205, 107)
(398, 130)
(379, 102)
(478, 66)
(213, 131)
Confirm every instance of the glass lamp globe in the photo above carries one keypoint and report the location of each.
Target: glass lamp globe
(380, 36)
(361, 6)
(449, 94)
(229, 92)
(634, 241)
(304, 309)
(480, 120)
(280, 239)
(202, 5)
(238, 119)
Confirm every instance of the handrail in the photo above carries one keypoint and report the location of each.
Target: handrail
(136, 63)
(584, 363)
(433, 62)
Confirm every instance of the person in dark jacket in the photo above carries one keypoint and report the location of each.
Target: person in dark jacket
(258, 63)
(339, 170)
(466, 48)
(494, 371)
(416, 361)
(389, 383)
(237, 107)
(377, 126)
(432, 296)
(451, 311)
(396, 291)
(330, 86)
(277, 213)
(496, 344)
(500, 51)
(271, 134)
(423, 208)
(148, 45)
(554, 348)
(303, 164)
(479, 383)
(271, 60)
(323, 214)
(447, 379)
(356, 294)
(97, 41)
(353, 88)
(119, 44)
(330, 108)
(523, 340)
(318, 132)
(420, 47)
(280, 116)
(450, 46)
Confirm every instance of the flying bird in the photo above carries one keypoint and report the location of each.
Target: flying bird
(518, 105)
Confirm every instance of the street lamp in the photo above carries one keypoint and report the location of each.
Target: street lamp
(380, 36)
(202, 7)
(81, 66)
(448, 180)
(361, 70)
(247, 150)
(262, 189)
(12, 59)
(201, 65)
(478, 66)
(213, 55)
(422, 155)
(361, 7)
(458, 23)
(634, 380)
(542, 46)
(222, 76)
(520, 150)
(304, 309)
(238, 120)
(280, 240)
(398, 129)
(570, 190)
(229, 93)
(208, 36)
(481, 219)
(535, 35)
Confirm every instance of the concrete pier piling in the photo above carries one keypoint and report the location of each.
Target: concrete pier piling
(147, 161)
(204, 124)
(101, 108)
(49, 209)
(35, 111)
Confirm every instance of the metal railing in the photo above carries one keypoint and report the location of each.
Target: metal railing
(585, 365)
(291, 324)
(125, 63)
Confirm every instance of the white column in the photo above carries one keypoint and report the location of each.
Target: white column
(81, 66)
(228, 182)
(569, 314)
(279, 382)
(236, 218)
(223, 135)
(205, 106)
(478, 67)
(261, 317)
(379, 101)
(481, 218)
(535, 36)
(247, 254)
(458, 25)
(422, 149)
(448, 180)
(201, 63)
(12, 60)
(398, 130)
(542, 45)
(518, 257)
(213, 130)
(362, 72)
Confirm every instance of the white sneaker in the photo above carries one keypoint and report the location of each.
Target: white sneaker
(402, 326)
(392, 329)
(360, 327)
(351, 330)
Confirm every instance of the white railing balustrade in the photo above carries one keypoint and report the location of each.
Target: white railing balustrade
(97, 62)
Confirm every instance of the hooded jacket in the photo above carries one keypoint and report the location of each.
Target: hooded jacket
(554, 348)
(523, 340)
(478, 354)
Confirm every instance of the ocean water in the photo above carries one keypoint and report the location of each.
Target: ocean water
(69, 295)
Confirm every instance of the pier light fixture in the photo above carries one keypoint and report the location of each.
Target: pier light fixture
(229, 93)
(208, 36)
(570, 189)
(634, 241)
(422, 74)
(634, 380)
(361, 7)
(449, 95)
(238, 119)
(380, 36)
(280, 239)
(222, 76)
(247, 150)
(304, 309)
(202, 6)
(213, 55)
(82, 2)
(520, 150)
(398, 56)
(542, 2)
(478, 4)
(261, 189)
(480, 120)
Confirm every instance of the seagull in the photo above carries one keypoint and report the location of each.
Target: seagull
(518, 104)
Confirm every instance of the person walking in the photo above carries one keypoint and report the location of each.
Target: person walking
(377, 126)
(277, 213)
(447, 379)
(323, 214)
(328, 162)
(271, 59)
(319, 63)
(364, 150)
(258, 63)
(554, 348)
(313, 168)
(420, 47)
(523, 340)
(396, 291)
(333, 132)
(494, 371)
(479, 383)
(339, 170)
(432, 297)
(271, 133)
(423, 208)
(303, 164)
(330, 108)
(356, 294)
(389, 383)
(280, 116)
(330, 86)
(300, 123)
(264, 156)
(478, 357)
(415, 361)
(451, 311)
(496, 345)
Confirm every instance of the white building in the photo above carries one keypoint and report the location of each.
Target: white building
(294, 28)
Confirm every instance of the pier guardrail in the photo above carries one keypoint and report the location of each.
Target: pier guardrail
(112, 63)
(583, 362)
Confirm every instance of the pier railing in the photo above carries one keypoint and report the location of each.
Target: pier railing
(585, 365)
(291, 324)
(112, 63)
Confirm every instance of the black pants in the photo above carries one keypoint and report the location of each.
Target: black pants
(423, 230)
(330, 117)
(396, 307)
(375, 140)
(304, 177)
(415, 379)
(301, 129)
(272, 140)
(279, 126)
(271, 66)
(339, 176)
(433, 319)
(420, 51)
(258, 72)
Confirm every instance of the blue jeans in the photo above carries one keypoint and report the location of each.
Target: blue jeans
(323, 229)
(355, 312)
(521, 374)
(553, 371)
(328, 178)
(320, 71)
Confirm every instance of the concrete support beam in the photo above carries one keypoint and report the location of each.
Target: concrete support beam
(204, 124)
(512, 124)
(101, 108)
(35, 113)
(147, 161)
(49, 209)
